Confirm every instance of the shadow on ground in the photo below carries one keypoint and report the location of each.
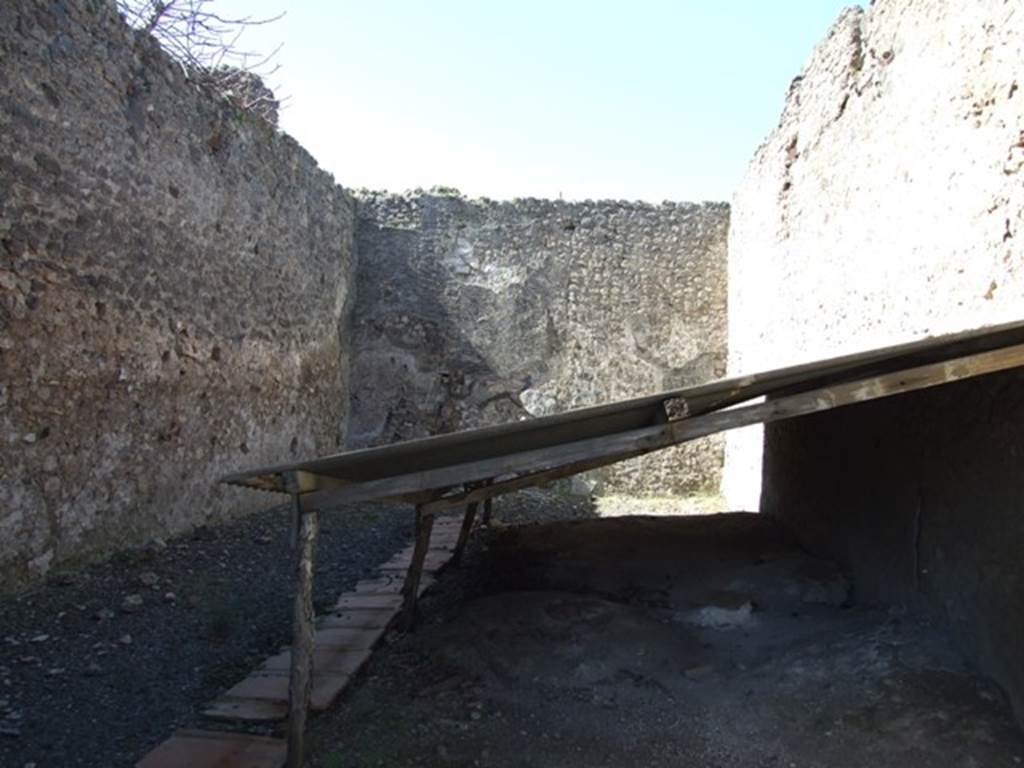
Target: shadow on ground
(698, 641)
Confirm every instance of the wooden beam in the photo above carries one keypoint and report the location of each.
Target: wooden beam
(467, 526)
(410, 590)
(773, 410)
(414, 486)
(418, 485)
(839, 395)
(516, 437)
(457, 448)
(301, 673)
(529, 480)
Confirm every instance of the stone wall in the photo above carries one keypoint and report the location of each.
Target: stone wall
(478, 312)
(888, 205)
(174, 277)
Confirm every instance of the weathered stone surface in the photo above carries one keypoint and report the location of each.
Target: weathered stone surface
(888, 205)
(173, 280)
(478, 312)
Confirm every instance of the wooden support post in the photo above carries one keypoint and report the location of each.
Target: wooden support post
(467, 526)
(411, 588)
(488, 508)
(301, 680)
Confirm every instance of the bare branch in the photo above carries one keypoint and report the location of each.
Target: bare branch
(208, 45)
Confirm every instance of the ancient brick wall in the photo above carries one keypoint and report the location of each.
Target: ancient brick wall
(888, 205)
(174, 277)
(478, 312)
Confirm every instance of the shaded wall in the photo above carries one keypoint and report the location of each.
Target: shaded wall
(174, 278)
(888, 205)
(921, 496)
(478, 312)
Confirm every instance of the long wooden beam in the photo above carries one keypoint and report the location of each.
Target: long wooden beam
(587, 454)
(300, 681)
(413, 485)
(613, 418)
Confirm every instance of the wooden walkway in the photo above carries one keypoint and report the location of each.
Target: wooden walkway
(343, 642)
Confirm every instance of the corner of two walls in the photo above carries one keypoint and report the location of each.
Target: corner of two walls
(178, 282)
(174, 279)
(478, 312)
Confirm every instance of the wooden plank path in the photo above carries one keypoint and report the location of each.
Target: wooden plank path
(342, 644)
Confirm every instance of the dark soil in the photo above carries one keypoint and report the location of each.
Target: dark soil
(709, 642)
(83, 683)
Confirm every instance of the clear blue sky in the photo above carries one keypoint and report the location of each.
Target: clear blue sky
(640, 100)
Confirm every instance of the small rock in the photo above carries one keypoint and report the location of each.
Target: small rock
(93, 669)
(40, 638)
(699, 672)
(10, 730)
(264, 539)
(125, 639)
(132, 604)
(149, 578)
(721, 616)
(474, 715)
(821, 583)
(102, 614)
(170, 597)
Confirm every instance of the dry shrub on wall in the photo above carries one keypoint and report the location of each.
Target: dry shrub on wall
(208, 45)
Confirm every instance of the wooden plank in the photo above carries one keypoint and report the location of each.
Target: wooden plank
(233, 709)
(598, 421)
(359, 619)
(329, 660)
(435, 560)
(389, 583)
(215, 749)
(528, 480)
(301, 661)
(839, 395)
(356, 600)
(261, 685)
(327, 687)
(356, 638)
(401, 487)
(773, 410)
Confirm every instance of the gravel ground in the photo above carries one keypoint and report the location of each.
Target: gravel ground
(539, 505)
(98, 666)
